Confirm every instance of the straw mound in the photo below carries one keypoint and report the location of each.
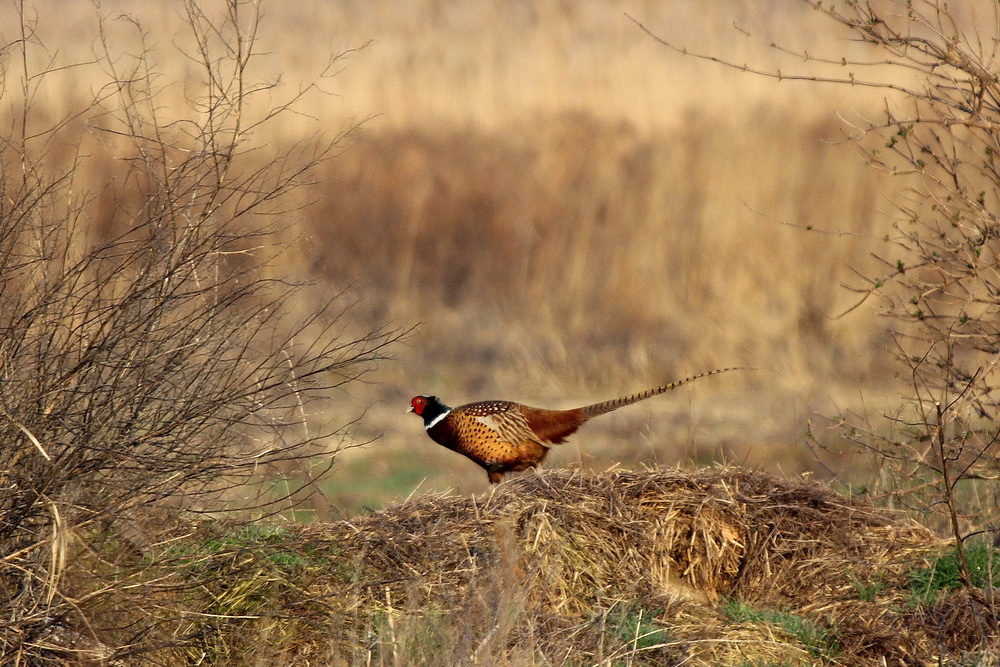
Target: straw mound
(558, 558)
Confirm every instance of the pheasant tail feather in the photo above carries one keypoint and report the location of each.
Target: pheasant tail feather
(604, 407)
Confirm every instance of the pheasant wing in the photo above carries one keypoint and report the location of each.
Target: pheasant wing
(510, 427)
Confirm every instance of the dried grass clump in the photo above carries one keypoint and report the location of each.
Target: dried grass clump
(561, 555)
(703, 535)
(714, 567)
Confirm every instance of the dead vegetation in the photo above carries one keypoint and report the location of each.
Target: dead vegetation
(644, 228)
(149, 354)
(714, 567)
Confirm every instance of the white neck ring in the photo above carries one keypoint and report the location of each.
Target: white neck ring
(432, 423)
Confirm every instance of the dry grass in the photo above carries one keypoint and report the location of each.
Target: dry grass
(573, 213)
(716, 567)
(570, 210)
(611, 249)
(485, 66)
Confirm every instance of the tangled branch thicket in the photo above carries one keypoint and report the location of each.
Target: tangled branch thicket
(148, 345)
(936, 64)
(941, 285)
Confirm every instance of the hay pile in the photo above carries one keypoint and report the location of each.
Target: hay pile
(562, 566)
(666, 567)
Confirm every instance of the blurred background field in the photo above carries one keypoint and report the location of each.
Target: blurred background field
(568, 211)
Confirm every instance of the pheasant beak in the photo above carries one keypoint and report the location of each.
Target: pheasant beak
(409, 409)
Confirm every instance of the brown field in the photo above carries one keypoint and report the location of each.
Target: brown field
(568, 210)
(559, 208)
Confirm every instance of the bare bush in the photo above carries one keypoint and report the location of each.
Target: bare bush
(936, 65)
(149, 345)
(942, 284)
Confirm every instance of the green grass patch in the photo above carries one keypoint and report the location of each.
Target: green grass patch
(268, 542)
(250, 581)
(821, 642)
(868, 589)
(357, 489)
(944, 574)
(269, 545)
(635, 626)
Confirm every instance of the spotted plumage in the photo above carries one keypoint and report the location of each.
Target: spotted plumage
(503, 437)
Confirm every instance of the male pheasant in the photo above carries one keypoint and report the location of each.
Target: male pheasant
(503, 437)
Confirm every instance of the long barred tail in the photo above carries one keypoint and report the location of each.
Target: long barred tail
(591, 411)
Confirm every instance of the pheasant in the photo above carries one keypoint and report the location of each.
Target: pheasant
(504, 437)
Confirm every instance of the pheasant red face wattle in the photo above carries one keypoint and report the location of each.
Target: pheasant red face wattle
(417, 404)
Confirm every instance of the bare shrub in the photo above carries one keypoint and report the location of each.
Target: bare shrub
(941, 280)
(149, 343)
(936, 65)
